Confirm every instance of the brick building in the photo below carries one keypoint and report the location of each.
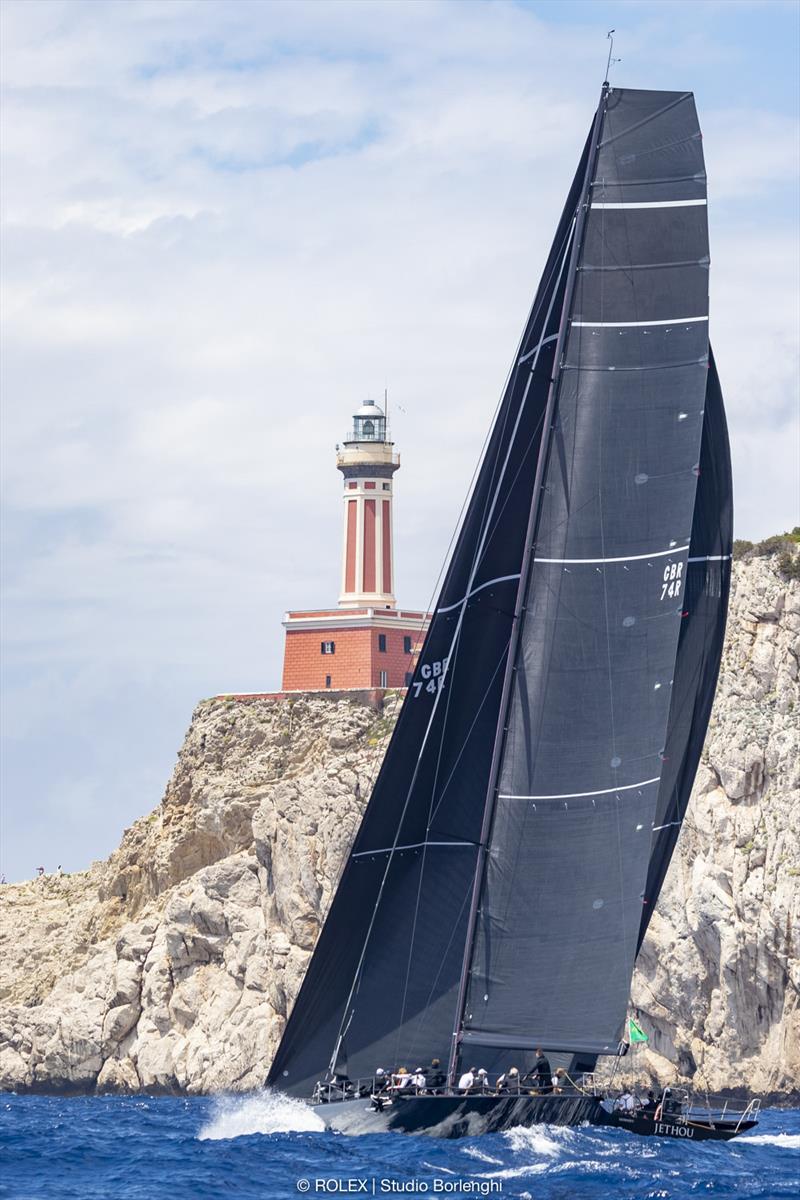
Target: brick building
(366, 642)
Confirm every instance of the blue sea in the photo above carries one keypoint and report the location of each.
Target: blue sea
(265, 1147)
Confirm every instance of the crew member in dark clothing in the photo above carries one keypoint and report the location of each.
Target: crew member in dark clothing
(649, 1106)
(542, 1072)
(435, 1078)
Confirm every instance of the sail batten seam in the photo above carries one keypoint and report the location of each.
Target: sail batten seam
(649, 203)
(623, 558)
(636, 324)
(626, 787)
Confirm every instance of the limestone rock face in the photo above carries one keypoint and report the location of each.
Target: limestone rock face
(718, 979)
(173, 965)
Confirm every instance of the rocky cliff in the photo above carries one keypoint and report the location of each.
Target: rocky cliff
(173, 964)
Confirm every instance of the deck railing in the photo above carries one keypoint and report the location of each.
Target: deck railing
(388, 1087)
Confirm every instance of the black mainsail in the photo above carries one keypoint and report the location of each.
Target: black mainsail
(524, 815)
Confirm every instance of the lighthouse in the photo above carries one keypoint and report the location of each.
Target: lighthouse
(365, 641)
(368, 463)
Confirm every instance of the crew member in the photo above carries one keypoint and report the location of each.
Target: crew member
(435, 1078)
(467, 1080)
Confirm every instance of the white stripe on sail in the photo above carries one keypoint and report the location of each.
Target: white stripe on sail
(544, 342)
(625, 558)
(710, 558)
(627, 787)
(479, 588)
(648, 203)
(636, 324)
(413, 846)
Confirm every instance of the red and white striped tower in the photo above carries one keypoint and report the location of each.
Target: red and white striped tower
(368, 463)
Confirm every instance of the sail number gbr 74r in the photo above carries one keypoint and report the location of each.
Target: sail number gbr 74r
(432, 678)
(672, 579)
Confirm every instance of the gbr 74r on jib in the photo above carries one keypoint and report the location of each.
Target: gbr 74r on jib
(432, 677)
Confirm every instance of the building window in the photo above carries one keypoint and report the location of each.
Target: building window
(382, 642)
(409, 678)
(327, 681)
(387, 487)
(406, 645)
(327, 647)
(352, 484)
(383, 679)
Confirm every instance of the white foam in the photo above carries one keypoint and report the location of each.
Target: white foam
(786, 1141)
(547, 1140)
(514, 1172)
(266, 1112)
(473, 1152)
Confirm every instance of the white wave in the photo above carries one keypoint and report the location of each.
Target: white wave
(473, 1152)
(547, 1140)
(786, 1141)
(514, 1172)
(266, 1112)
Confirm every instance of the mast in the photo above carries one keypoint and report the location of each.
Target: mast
(533, 522)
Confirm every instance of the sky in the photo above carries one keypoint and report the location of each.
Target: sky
(225, 225)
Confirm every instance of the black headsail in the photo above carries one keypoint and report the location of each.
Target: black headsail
(705, 607)
(381, 987)
(576, 804)
(494, 893)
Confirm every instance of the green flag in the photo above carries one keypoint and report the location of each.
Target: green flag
(637, 1034)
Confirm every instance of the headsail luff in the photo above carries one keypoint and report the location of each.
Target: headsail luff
(382, 982)
(561, 905)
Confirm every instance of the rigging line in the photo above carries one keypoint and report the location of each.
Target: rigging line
(515, 362)
(563, 255)
(410, 953)
(563, 252)
(424, 1009)
(539, 423)
(464, 744)
(489, 514)
(512, 482)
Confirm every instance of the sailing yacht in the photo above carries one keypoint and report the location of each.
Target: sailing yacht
(518, 834)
